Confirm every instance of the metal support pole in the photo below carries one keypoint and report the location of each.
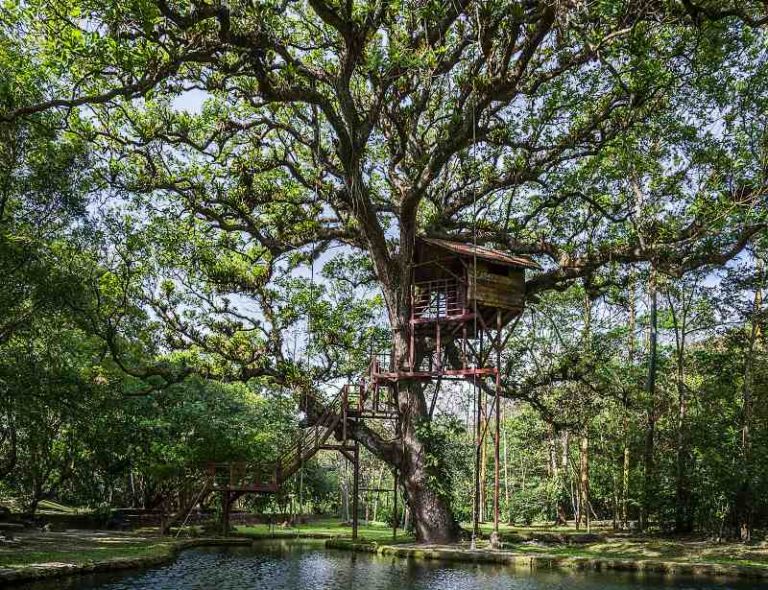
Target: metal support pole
(355, 489)
(344, 406)
(411, 340)
(497, 438)
(478, 435)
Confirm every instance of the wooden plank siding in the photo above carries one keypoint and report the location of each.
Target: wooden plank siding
(497, 291)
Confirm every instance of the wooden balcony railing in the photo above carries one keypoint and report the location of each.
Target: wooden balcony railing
(438, 299)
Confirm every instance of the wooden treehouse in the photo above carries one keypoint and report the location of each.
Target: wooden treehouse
(462, 297)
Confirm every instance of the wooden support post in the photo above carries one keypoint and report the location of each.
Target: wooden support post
(225, 509)
(355, 490)
(497, 438)
(394, 506)
(464, 345)
(478, 442)
(344, 405)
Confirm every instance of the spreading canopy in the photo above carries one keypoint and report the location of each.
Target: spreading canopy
(588, 134)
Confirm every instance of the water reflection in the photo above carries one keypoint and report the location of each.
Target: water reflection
(308, 566)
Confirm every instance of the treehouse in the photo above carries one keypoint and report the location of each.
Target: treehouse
(460, 291)
(455, 282)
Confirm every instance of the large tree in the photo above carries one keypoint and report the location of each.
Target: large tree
(272, 131)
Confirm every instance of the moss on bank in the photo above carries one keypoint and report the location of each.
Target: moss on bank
(597, 557)
(84, 556)
(46, 555)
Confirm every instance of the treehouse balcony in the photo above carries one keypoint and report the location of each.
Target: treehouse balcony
(429, 367)
(369, 399)
(440, 300)
(243, 477)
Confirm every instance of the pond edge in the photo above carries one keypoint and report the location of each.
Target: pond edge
(9, 576)
(45, 571)
(545, 561)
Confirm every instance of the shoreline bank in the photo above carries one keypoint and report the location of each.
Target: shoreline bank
(523, 560)
(162, 551)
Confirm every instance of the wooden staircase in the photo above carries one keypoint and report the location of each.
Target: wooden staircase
(268, 478)
(324, 428)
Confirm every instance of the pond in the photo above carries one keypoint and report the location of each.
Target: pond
(298, 565)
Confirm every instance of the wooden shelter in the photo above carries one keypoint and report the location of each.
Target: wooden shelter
(459, 281)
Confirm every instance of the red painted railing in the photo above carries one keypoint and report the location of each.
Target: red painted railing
(438, 299)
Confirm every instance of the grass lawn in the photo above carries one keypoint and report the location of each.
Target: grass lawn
(487, 527)
(79, 547)
(330, 527)
(692, 551)
(50, 506)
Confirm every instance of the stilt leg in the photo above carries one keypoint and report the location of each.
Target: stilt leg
(225, 508)
(497, 437)
(355, 490)
(478, 442)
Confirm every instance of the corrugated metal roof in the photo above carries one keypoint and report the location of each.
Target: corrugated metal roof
(472, 250)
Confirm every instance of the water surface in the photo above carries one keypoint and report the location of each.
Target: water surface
(292, 565)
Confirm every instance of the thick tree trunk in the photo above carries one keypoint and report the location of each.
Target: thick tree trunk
(584, 505)
(625, 409)
(418, 466)
(226, 509)
(625, 485)
(566, 478)
(557, 476)
(433, 519)
(683, 494)
(8, 444)
(410, 452)
(683, 508)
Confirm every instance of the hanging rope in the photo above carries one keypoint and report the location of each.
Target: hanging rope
(310, 305)
(475, 388)
(310, 339)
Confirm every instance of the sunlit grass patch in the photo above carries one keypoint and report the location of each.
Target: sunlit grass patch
(78, 555)
(326, 527)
